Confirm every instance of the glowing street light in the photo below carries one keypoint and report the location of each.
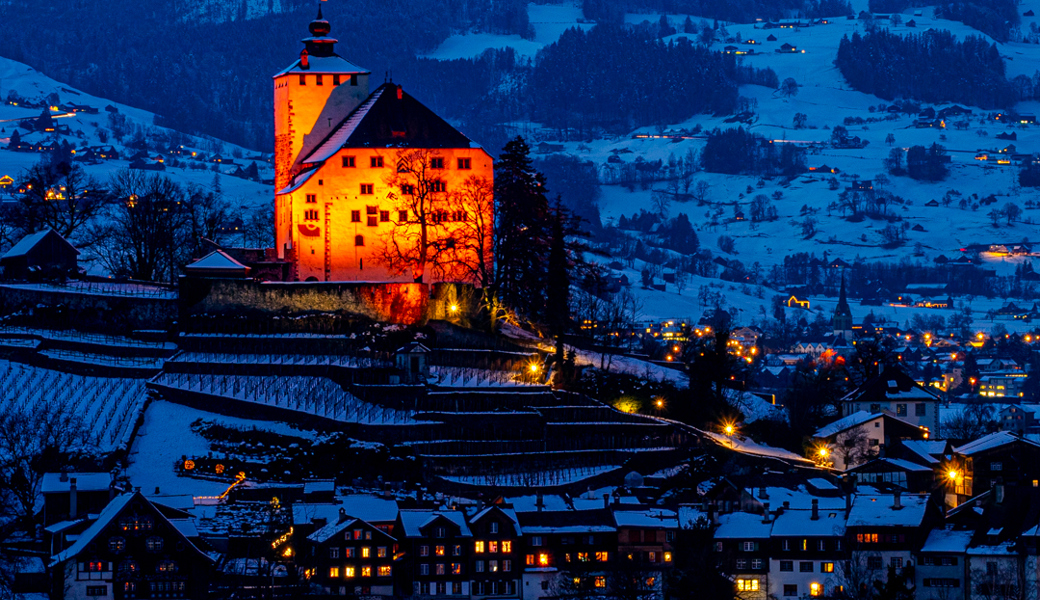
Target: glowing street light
(454, 308)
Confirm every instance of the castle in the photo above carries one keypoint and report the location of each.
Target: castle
(373, 186)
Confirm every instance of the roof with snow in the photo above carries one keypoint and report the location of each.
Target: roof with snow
(854, 420)
(890, 384)
(371, 509)
(947, 540)
(927, 450)
(649, 518)
(796, 499)
(336, 527)
(323, 64)
(742, 525)
(30, 241)
(85, 482)
(870, 510)
(218, 260)
(991, 442)
(800, 523)
(390, 118)
(414, 520)
(508, 512)
(898, 463)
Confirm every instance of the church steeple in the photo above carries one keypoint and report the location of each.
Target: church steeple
(319, 44)
(843, 314)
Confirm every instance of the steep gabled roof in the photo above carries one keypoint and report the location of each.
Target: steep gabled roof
(29, 242)
(990, 442)
(508, 512)
(413, 521)
(327, 532)
(891, 383)
(390, 118)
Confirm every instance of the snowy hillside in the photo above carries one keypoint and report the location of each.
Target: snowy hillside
(222, 11)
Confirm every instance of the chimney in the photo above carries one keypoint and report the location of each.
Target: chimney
(711, 512)
(848, 502)
(897, 500)
(606, 500)
(815, 509)
(156, 490)
(787, 504)
(305, 62)
(765, 515)
(762, 493)
(539, 501)
(73, 500)
(64, 477)
(342, 514)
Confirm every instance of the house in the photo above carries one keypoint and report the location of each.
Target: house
(794, 302)
(132, 549)
(352, 166)
(893, 391)
(1000, 458)
(771, 38)
(895, 473)
(437, 545)
(646, 544)
(942, 563)
(885, 531)
(217, 264)
(567, 551)
(41, 254)
(933, 203)
(742, 543)
(786, 48)
(911, 23)
(808, 549)
(860, 437)
(496, 570)
(350, 555)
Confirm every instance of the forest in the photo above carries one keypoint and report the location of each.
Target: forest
(738, 11)
(932, 67)
(995, 18)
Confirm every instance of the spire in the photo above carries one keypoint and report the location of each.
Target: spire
(843, 303)
(319, 44)
(842, 321)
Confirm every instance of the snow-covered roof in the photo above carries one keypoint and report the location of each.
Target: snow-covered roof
(334, 142)
(413, 520)
(319, 486)
(651, 517)
(297, 181)
(217, 260)
(991, 441)
(752, 448)
(186, 527)
(947, 540)
(796, 499)
(822, 484)
(689, 516)
(508, 512)
(742, 525)
(323, 64)
(325, 533)
(869, 510)
(371, 509)
(896, 462)
(926, 449)
(550, 503)
(854, 420)
(546, 529)
(800, 523)
(27, 243)
(85, 482)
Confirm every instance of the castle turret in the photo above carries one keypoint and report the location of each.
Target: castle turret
(313, 95)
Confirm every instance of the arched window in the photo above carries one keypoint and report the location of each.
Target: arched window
(359, 240)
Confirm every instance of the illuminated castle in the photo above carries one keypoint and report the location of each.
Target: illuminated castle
(372, 186)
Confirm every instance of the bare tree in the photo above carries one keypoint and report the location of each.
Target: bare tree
(31, 443)
(414, 244)
(468, 255)
(61, 198)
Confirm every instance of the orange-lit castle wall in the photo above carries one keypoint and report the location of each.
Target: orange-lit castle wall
(359, 174)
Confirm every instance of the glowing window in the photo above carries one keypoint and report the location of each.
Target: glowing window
(478, 547)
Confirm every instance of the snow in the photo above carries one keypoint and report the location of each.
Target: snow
(742, 525)
(878, 511)
(85, 482)
(690, 516)
(905, 465)
(801, 523)
(218, 259)
(925, 449)
(749, 446)
(26, 243)
(549, 21)
(95, 528)
(853, 420)
(649, 518)
(989, 442)
(343, 132)
(166, 436)
(413, 520)
(947, 540)
(798, 499)
(629, 365)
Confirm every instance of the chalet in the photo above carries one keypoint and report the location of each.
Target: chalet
(351, 555)
(808, 549)
(142, 165)
(646, 539)
(81, 108)
(911, 23)
(771, 38)
(998, 458)
(786, 48)
(917, 227)
(575, 549)
(885, 530)
(217, 264)
(1029, 13)
(933, 203)
(497, 538)
(132, 549)
(894, 392)
(1017, 418)
(40, 254)
(942, 563)
(794, 302)
(927, 113)
(742, 543)
(860, 437)
(895, 473)
(437, 546)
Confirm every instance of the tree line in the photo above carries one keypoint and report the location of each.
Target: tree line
(995, 18)
(738, 11)
(932, 67)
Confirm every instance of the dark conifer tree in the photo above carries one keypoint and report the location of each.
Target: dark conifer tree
(558, 280)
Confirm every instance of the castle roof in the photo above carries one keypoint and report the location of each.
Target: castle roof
(390, 118)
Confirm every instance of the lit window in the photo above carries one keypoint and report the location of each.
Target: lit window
(349, 572)
(366, 552)
(827, 567)
(333, 571)
(600, 582)
(366, 571)
(438, 550)
(602, 557)
(384, 571)
(478, 547)
(493, 546)
(543, 560)
(815, 589)
(492, 566)
(747, 585)
(507, 546)
(667, 557)
(456, 568)
(381, 552)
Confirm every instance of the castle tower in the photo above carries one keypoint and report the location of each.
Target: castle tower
(843, 315)
(313, 95)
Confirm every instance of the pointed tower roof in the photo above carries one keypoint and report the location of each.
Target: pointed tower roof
(319, 54)
(843, 303)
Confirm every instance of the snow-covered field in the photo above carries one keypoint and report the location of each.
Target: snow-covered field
(549, 21)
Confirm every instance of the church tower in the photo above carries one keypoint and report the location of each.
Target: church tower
(843, 316)
(313, 95)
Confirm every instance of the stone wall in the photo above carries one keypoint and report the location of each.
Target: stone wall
(87, 311)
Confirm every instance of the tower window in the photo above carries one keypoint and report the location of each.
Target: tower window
(437, 163)
(310, 215)
(335, 80)
(348, 162)
(384, 216)
(353, 79)
(359, 240)
(372, 214)
(408, 189)
(438, 185)
(377, 162)
(303, 80)
(465, 164)
(318, 80)
(355, 216)
(312, 197)
(366, 188)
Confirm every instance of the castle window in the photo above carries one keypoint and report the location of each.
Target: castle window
(335, 80)
(348, 162)
(303, 80)
(377, 162)
(408, 189)
(438, 185)
(359, 240)
(384, 216)
(310, 215)
(465, 164)
(355, 216)
(402, 216)
(372, 213)
(366, 188)
(353, 79)
(319, 82)
(311, 198)
(437, 163)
